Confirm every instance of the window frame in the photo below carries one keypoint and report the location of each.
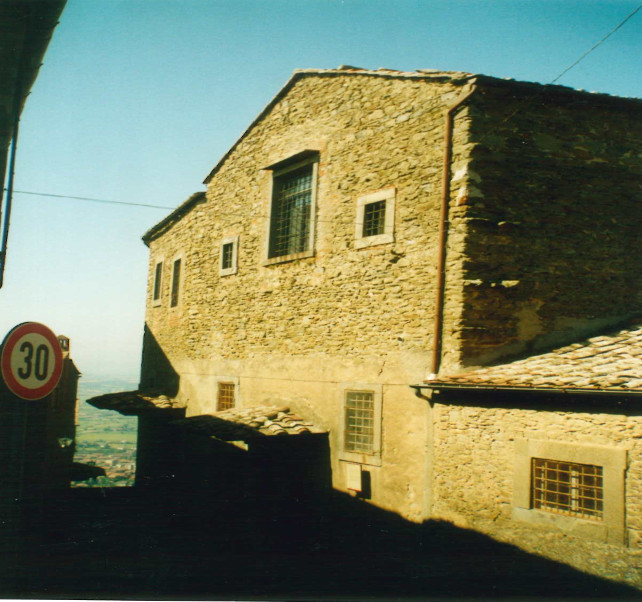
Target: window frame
(567, 488)
(157, 282)
(234, 380)
(613, 461)
(279, 172)
(389, 195)
(179, 284)
(373, 458)
(233, 269)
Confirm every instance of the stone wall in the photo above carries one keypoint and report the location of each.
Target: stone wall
(545, 203)
(475, 452)
(296, 332)
(551, 207)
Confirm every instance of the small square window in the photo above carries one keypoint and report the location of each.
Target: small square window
(229, 256)
(375, 218)
(225, 398)
(176, 283)
(157, 285)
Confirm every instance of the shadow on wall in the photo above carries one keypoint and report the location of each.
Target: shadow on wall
(136, 543)
(157, 372)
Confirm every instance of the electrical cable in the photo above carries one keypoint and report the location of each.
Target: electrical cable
(230, 214)
(93, 200)
(606, 37)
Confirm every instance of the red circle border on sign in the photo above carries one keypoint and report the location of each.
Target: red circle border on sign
(5, 361)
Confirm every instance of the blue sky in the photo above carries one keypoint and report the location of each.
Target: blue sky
(138, 99)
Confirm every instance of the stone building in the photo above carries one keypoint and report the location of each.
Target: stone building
(545, 452)
(372, 231)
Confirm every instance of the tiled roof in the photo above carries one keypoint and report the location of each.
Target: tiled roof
(249, 423)
(611, 362)
(131, 403)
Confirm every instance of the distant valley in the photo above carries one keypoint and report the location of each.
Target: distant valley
(104, 438)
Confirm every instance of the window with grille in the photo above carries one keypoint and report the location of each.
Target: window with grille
(176, 283)
(375, 223)
(568, 488)
(359, 422)
(290, 223)
(158, 276)
(374, 218)
(225, 397)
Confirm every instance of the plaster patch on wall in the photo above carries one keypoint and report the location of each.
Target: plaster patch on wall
(529, 323)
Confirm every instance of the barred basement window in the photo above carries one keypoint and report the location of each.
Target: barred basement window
(158, 277)
(568, 488)
(176, 283)
(291, 217)
(225, 398)
(374, 218)
(359, 422)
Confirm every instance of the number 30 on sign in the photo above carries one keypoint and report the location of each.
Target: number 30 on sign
(31, 361)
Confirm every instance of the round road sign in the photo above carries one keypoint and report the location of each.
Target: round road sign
(31, 361)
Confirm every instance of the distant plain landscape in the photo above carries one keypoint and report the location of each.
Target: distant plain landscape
(104, 438)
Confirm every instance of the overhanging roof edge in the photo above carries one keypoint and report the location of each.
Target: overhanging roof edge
(440, 385)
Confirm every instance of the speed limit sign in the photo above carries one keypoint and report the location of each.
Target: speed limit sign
(31, 361)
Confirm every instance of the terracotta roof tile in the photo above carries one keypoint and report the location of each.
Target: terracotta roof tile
(608, 362)
(242, 424)
(131, 403)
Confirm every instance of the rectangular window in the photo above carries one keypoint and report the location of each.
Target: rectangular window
(374, 218)
(227, 253)
(375, 223)
(291, 215)
(158, 278)
(568, 488)
(225, 397)
(359, 422)
(580, 492)
(176, 283)
(228, 264)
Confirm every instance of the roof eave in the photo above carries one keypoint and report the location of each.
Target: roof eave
(446, 386)
(167, 222)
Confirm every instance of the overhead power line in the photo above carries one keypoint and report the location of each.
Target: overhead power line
(233, 214)
(606, 37)
(83, 198)
(149, 206)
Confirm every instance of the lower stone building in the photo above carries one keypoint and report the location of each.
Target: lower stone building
(546, 453)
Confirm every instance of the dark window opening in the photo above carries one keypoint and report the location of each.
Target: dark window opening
(158, 274)
(227, 256)
(374, 218)
(176, 281)
(291, 213)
